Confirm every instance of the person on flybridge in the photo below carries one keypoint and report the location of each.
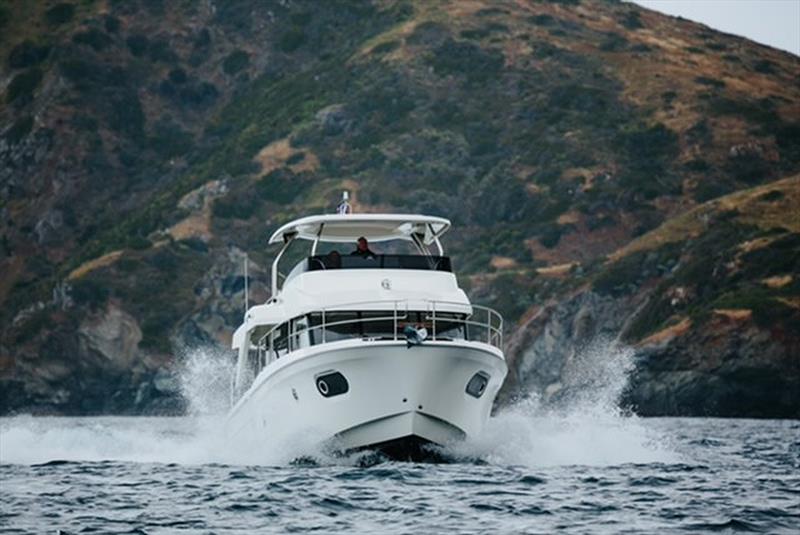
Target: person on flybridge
(362, 249)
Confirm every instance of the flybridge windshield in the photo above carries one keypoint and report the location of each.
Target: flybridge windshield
(379, 261)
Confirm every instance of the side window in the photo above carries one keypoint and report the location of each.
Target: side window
(450, 326)
(282, 340)
(299, 327)
(342, 325)
(378, 324)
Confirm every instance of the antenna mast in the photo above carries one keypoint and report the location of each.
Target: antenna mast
(344, 206)
(246, 287)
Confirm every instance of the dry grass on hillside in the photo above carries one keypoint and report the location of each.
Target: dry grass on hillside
(751, 206)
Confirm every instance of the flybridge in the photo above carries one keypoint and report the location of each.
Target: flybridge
(345, 227)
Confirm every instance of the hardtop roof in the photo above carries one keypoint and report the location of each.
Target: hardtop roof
(342, 228)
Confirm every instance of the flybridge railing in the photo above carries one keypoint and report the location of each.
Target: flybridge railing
(483, 325)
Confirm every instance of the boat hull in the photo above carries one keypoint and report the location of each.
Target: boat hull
(396, 395)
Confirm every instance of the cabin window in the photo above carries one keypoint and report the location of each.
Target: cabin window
(281, 342)
(379, 324)
(449, 326)
(305, 331)
(379, 261)
(338, 326)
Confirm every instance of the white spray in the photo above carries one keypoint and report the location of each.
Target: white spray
(588, 427)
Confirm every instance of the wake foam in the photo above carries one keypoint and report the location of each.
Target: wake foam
(205, 380)
(582, 425)
(585, 427)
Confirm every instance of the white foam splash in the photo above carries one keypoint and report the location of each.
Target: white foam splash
(205, 380)
(197, 438)
(587, 428)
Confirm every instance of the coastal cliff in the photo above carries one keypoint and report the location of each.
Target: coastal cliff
(614, 176)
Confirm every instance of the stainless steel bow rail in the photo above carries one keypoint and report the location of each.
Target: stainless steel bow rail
(483, 324)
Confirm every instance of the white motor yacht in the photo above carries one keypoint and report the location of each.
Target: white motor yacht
(366, 350)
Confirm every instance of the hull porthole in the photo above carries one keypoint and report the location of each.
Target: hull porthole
(331, 384)
(477, 384)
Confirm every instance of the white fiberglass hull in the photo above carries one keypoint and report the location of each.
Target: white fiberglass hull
(393, 393)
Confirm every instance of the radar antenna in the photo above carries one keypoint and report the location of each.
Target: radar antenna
(344, 206)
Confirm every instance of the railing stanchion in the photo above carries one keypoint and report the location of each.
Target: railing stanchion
(323, 326)
(433, 306)
(395, 321)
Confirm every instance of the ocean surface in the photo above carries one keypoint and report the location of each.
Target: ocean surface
(586, 467)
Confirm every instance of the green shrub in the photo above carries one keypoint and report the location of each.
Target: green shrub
(242, 205)
(512, 295)
(169, 140)
(760, 112)
(111, 23)
(296, 158)
(698, 165)
(94, 78)
(551, 236)
(468, 59)
(618, 278)
(27, 54)
(749, 168)
(178, 76)
(385, 47)
(590, 101)
(490, 12)
(5, 16)
(700, 133)
(22, 86)
(125, 114)
(59, 14)
(301, 18)
(632, 20)
(156, 327)
(705, 190)
(764, 66)
(711, 82)
(138, 44)
(648, 152)
(543, 20)
(767, 311)
(35, 324)
(92, 37)
(165, 261)
(195, 244)
(235, 62)
(89, 292)
(161, 51)
(138, 243)
(21, 128)
(613, 42)
(292, 39)
(281, 186)
(787, 137)
(650, 318)
(779, 257)
(772, 196)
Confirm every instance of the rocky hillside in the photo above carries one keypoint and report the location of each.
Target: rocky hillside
(610, 171)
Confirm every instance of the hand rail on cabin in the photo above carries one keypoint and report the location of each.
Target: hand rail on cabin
(494, 332)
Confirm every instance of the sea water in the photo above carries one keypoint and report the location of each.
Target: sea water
(586, 467)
